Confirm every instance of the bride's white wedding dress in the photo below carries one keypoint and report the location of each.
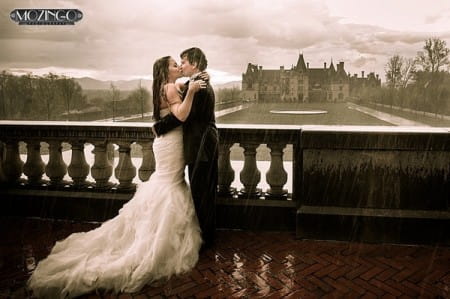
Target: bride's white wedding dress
(155, 235)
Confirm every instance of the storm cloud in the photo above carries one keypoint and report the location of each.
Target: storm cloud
(121, 39)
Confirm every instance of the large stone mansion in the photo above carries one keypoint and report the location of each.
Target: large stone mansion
(302, 83)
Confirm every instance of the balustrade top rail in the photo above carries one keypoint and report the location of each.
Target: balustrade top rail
(303, 136)
(376, 138)
(142, 128)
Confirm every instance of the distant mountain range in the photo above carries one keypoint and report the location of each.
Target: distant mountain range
(231, 84)
(92, 84)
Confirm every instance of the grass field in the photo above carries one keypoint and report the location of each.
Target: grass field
(338, 114)
(427, 120)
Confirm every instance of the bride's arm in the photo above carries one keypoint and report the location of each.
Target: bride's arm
(181, 109)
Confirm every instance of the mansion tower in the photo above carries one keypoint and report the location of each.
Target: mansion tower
(302, 84)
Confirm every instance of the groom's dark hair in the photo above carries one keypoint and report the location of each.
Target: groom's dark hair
(195, 55)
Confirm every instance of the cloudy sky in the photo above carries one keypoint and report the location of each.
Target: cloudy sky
(121, 39)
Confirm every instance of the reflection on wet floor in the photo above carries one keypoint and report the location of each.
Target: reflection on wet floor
(251, 264)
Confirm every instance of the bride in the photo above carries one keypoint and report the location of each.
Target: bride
(156, 233)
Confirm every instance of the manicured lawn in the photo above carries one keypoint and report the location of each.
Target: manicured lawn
(427, 120)
(338, 114)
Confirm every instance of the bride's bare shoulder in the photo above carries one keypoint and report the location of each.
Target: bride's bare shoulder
(169, 85)
(172, 93)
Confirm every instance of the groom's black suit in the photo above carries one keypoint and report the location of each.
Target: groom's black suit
(200, 138)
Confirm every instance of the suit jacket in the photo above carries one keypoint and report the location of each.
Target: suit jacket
(200, 136)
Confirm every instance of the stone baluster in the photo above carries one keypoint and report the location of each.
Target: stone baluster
(276, 175)
(56, 168)
(250, 175)
(12, 165)
(125, 170)
(148, 161)
(102, 169)
(78, 168)
(34, 167)
(226, 172)
(110, 153)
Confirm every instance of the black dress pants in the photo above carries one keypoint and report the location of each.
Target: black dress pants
(203, 178)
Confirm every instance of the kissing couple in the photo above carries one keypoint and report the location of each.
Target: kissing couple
(160, 231)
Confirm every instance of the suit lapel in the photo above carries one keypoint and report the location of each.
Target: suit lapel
(185, 90)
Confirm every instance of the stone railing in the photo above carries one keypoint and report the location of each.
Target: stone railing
(24, 178)
(341, 176)
(76, 134)
(386, 184)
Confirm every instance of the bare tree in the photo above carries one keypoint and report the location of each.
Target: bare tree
(141, 98)
(67, 89)
(407, 71)
(46, 90)
(3, 93)
(394, 71)
(115, 96)
(435, 55)
(71, 93)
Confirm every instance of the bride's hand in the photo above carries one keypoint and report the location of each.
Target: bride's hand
(197, 85)
(204, 76)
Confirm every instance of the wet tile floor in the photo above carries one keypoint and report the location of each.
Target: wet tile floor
(253, 264)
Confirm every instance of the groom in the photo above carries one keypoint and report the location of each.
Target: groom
(200, 138)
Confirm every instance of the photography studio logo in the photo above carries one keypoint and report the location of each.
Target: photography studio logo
(46, 16)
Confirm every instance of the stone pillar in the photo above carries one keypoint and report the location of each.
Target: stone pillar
(148, 161)
(250, 175)
(56, 168)
(226, 172)
(34, 167)
(276, 175)
(101, 171)
(12, 165)
(125, 170)
(78, 168)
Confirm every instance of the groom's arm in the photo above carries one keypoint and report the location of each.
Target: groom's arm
(170, 122)
(166, 124)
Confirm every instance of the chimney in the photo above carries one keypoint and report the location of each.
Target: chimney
(324, 65)
(362, 74)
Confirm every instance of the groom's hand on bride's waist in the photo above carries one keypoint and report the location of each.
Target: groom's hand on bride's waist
(166, 124)
(154, 131)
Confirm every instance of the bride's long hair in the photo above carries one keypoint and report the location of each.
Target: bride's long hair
(160, 78)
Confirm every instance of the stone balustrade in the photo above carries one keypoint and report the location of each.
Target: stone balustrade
(104, 135)
(353, 172)
(76, 134)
